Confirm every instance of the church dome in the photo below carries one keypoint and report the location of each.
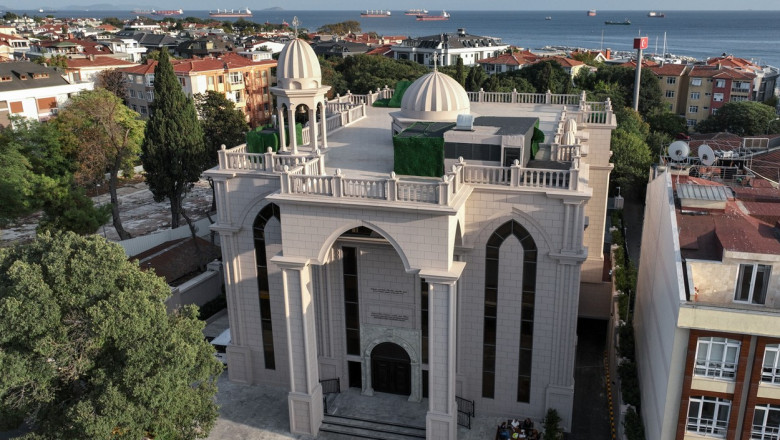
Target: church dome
(298, 67)
(435, 97)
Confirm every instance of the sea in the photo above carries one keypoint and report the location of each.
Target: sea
(753, 35)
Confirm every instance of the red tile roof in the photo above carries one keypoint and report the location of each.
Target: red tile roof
(669, 69)
(507, 59)
(98, 62)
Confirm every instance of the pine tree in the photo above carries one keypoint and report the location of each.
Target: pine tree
(173, 151)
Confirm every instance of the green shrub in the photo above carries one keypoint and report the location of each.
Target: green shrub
(634, 428)
(629, 383)
(552, 428)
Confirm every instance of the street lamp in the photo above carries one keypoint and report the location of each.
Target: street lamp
(769, 124)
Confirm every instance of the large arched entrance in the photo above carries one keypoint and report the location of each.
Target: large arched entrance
(391, 370)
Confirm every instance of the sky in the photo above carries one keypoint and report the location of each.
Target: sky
(455, 5)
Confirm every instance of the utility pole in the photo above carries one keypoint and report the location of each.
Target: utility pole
(639, 44)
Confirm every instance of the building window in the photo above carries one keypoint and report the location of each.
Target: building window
(717, 357)
(695, 95)
(235, 78)
(527, 301)
(424, 319)
(766, 423)
(690, 122)
(150, 80)
(143, 110)
(183, 82)
(717, 97)
(220, 79)
(210, 81)
(150, 95)
(261, 263)
(671, 80)
(139, 79)
(720, 83)
(351, 303)
(693, 109)
(238, 96)
(739, 98)
(670, 93)
(135, 108)
(132, 93)
(771, 369)
(752, 283)
(708, 416)
(696, 82)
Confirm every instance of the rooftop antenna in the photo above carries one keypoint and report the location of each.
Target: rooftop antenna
(601, 48)
(296, 23)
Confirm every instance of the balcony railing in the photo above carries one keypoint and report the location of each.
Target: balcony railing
(707, 427)
(524, 98)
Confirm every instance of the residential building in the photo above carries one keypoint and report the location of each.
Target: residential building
(12, 46)
(72, 48)
(125, 48)
(210, 46)
(448, 47)
(244, 82)
(506, 62)
(33, 91)
(340, 48)
(345, 258)
(698, 91)
(707, 315)
(87, 69)
(149, 40)
(765, 80)
(674, 85)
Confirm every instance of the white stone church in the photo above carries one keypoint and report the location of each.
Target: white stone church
(464, 277)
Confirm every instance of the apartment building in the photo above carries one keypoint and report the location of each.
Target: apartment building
(241, 80)
(448, 47)
(698, 91)
(707, 317)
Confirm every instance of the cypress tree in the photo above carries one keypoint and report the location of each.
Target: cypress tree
(173, 151)
(460, 72)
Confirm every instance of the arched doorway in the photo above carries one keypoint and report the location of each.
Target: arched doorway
(391, 370)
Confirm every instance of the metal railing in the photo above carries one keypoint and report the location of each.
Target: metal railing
(465, 411)
(707, 426)
(329, 386)
(761, 432)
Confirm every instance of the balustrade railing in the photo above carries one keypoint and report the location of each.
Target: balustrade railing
(524, 98)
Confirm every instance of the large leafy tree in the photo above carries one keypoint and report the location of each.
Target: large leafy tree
(365, 73)
(107, 135)
(88, 350)
(173, 150)
(746, 118)
(114, 81)
(222, 123)
(36, 172)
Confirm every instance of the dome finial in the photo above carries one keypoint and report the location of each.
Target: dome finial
(435, 59)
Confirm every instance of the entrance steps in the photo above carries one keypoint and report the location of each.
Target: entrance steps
(344, 427)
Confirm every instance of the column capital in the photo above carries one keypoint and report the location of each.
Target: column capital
(225, 228)
(438, 276)
(294, 263)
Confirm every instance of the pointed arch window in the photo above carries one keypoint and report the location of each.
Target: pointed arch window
(528, 296)
(258, 228)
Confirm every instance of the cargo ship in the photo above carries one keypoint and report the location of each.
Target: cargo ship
(625, 22)
(168, 12)
(654, 14)
(232, 13)
(444, 16)
(416, 12)
(592, 13)
(375, 14)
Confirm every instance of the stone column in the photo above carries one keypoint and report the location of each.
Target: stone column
(313, 128)
(282, 137)
(324, 125)
(291, 131)
(305, 397)
(441, 422)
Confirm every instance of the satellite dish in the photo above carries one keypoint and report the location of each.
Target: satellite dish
(706, 155)
(678, 151)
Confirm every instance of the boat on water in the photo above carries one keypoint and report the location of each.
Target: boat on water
(592, 13)
(232, 13)
(416, 12)
(548, 18)
(654, 14)
(625, 22)
(443, 16)
(375, 14)
(167, 12)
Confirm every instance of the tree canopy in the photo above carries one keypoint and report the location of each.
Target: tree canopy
(745, 118)
(173, 150)
(107, 136)
(88, 350)
(342, 28)
(222, 123)
(364, 73)
(617, 82)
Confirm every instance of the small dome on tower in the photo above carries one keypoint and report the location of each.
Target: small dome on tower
(435, 97)
(298, 67)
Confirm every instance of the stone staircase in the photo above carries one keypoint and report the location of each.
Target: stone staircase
(342, 427)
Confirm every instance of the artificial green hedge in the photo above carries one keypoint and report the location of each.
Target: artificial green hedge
(259, 139)
(418, 156)
(398, 94)
(537, 138)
